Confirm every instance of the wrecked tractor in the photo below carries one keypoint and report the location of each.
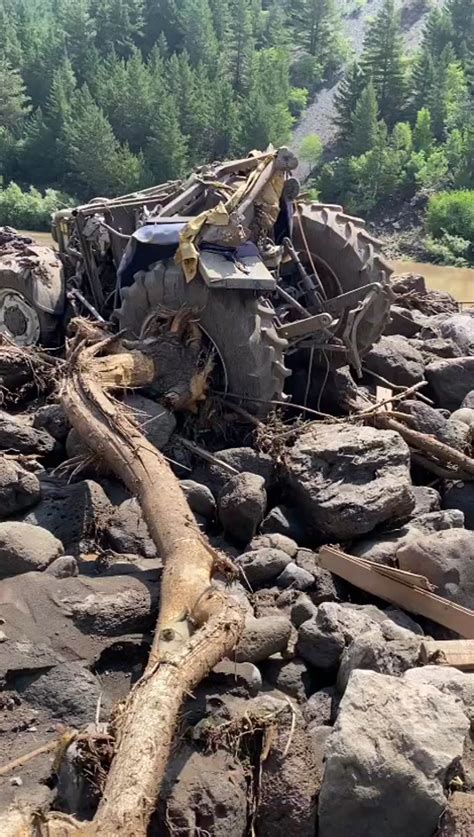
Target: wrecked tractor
(281, 287)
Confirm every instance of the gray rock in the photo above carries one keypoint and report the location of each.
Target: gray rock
(24, 548)
(322, 640)
(127, 531)
(390, 735)
(295, 577)
(451, 381)
(69, 692)
(263, 565)
(116, 564)
(63, 567)
(232, 674)
(155, 421)
(468, 400)
(460, 495)
(274, 541)
(350, 479)
(464, 415)
(319, 737)
(385, 648)
(284, 521)
(459, 328)
(302, 610)
(405, 322)
(426, 419)
(53, 419)
(394, 359)
(426, 500)
(450, 681)
(73, 513)
(291, 677)
(241, 505)
(19, 489)
(320, 707)
(382, 549)
(18, 436)
(325, 586)
(200, 498)
(437, 347)
(243, 460)
(447, 560)
(438, 521)
(125, 611)
(262, 638)
(23, 657)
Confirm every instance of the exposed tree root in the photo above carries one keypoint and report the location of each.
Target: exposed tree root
(197, 625)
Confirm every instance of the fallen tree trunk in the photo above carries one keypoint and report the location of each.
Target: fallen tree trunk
(197, 625)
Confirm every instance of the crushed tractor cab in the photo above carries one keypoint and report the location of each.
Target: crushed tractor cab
(279, 286)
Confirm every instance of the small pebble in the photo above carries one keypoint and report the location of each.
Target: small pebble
(16, 781)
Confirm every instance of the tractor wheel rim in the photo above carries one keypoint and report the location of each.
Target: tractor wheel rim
(19, 321)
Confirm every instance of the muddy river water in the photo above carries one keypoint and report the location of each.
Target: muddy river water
(458, 281)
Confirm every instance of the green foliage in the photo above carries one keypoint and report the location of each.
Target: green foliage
(297, 100)
(452, 213)
(30, 210)
(383, 63)
(311, 150)
(423, 135)
(449, 249)
(13, 99)
(347, 96)
(365, 122)
(317, 24)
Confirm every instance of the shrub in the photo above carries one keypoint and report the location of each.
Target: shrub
(452, 213)
(30, 210)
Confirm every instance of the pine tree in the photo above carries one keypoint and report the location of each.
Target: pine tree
(74, 17)
(59, 102)
(423, 134)
(318, 26)
(120, 25)
(346, 98)
(437, 33)
(37, 161)
(199, 37)
(14, 104)
(10, 46)
(166, 149)
(365, 122)
(461, 15)
(242, 45)
(99, 165)
(382, 61)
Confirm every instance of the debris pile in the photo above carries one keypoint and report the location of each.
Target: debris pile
(311, 571)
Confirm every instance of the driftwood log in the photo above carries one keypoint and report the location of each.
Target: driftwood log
(197, 625)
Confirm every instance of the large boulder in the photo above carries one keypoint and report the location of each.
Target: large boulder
(156, 422)
(389, 758)
(240, 459)
(260, 566)
(19, 489)
(69, 692)
(394, 359)
(451, 380)
(17, 435)
(457, 327)
(72, 512)
(447, 559)
(241, 505)
(349, 479)
(427, 420)
(24, 548)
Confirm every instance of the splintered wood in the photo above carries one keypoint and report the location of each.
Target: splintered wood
(409, 591)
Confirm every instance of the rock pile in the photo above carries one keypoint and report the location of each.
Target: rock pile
(325, 715)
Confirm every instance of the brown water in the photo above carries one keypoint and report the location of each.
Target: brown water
(40, 237)
(458, 281)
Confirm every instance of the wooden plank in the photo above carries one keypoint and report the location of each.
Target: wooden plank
(384, 397)
(411, 598)
(458, 653)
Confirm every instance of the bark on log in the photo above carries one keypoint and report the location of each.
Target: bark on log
(429, 446)
(197, 625)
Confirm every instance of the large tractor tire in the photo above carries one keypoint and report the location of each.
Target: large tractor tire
(32, 294)
(347, 257)
(238, 325)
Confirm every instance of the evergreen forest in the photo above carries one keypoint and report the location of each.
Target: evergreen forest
(101, 97)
